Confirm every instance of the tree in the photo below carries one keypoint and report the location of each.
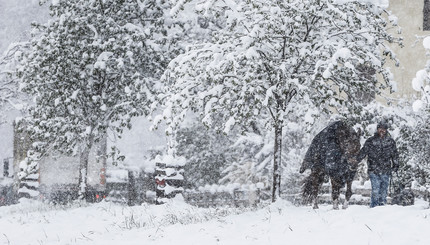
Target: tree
(207, 153)
(91, 69)
(421, 84)
(419, 150)
(11, 98)
(275, 61)
(251, 164)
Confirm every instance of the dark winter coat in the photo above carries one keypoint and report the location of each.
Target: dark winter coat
(336, 164)
(382, 155)
(325, 154)
(323, 146)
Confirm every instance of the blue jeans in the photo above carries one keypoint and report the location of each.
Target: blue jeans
(379, 189)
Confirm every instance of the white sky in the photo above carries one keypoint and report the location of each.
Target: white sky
(15, 19)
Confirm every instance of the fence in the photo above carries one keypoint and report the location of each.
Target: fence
(228, 195)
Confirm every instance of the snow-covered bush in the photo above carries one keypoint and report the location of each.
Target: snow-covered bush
(419, 134)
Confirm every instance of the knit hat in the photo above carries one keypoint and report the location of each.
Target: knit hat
(382, 124)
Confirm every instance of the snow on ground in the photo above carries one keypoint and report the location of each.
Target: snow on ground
(105, 223)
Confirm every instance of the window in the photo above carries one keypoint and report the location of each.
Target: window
(426, 15)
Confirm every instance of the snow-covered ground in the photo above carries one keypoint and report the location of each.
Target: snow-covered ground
(105, 223)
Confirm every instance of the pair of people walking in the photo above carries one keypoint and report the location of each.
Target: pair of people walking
(382, 160)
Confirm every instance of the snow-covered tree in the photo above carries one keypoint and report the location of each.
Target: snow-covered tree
(11, 98)
(207, 153)
(421, 84)
(419, 150)
(275, 61)
(251, 163)
(91, 68)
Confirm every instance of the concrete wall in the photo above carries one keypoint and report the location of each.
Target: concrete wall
(413, 55)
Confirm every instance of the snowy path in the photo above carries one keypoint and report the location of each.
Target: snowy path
(280, 223)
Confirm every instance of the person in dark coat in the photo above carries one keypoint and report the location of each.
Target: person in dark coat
(382, 159)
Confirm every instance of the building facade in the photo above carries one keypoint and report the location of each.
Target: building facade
(414, 21)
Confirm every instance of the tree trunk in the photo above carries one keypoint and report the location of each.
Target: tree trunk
(101, 156)
(83, 168)
(277, 151)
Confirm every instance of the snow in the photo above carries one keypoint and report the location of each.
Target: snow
(177, 7)
(116, 175)
(426, 42)
(75, 94)
(309, 117)
(327, 73)
(171, 161)
(88, 130)
(418, 81)
(417, 105)
(178, 223)
(132, 28)
(32, 193)
(229, 124)
(5, 181)
(169, 189)
(421, 83)
(230, 188)
(381, 3)
(343, 53)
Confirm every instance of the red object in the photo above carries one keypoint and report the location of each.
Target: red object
(103, 176)
(161, 183)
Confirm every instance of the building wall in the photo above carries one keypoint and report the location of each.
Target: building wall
(57, 169)
(413, 55)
